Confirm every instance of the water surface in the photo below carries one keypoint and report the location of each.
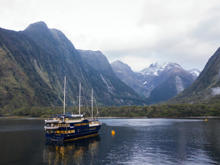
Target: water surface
(137, 141)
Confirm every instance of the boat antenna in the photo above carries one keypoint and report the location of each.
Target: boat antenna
(64, 95)
(79, 97)
(92, 102)
(97, 109)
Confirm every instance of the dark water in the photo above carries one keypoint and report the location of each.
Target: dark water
(137, 141)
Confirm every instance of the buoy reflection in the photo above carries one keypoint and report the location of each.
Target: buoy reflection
(113, 132)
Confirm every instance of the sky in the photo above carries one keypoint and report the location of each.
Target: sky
(137, 32)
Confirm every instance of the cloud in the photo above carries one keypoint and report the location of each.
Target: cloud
(187, 32)
(215, 91)
(208, 29)
(137, 32)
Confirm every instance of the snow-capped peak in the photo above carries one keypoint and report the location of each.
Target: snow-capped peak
(195, 72)
(155, 69)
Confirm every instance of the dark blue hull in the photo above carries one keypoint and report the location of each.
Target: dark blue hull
(79, 134)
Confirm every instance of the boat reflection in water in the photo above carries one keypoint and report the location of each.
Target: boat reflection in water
(71, 153)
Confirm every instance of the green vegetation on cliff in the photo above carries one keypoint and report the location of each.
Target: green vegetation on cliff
(34, 62)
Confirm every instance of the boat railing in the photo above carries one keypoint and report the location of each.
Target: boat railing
(94, 123)
(77, 115)
(50, 127)
(52, 121)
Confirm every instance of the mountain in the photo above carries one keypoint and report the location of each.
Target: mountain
(206, 88)
(106, 81)
(172, 80)
(97, 60)
(34, 62)
(157, 82)
(125, 73)
(153, 70)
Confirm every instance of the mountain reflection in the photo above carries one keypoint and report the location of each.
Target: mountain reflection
(71, 153)
(212, 133)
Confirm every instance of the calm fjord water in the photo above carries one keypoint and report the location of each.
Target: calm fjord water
(137, 141)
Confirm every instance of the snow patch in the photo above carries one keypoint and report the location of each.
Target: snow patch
(179, 84)
(195, 72)
(154, 69)
(145, 82)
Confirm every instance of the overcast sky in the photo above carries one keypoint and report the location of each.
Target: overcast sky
(137, 32)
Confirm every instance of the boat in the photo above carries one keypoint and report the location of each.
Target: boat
(70, 127)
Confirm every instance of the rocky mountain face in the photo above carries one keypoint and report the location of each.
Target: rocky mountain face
(97, 60)
(34, 62)
(170, 81)
(132, 79)
(105, 80)
(157, 82)
(206, 88)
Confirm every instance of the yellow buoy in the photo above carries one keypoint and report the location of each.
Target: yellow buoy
(206, 120)
(113, 132)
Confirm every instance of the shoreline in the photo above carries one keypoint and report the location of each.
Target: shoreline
(111, 117)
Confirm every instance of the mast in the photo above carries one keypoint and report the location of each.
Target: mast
(64, 96)
(79, 97)
(92, 103)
